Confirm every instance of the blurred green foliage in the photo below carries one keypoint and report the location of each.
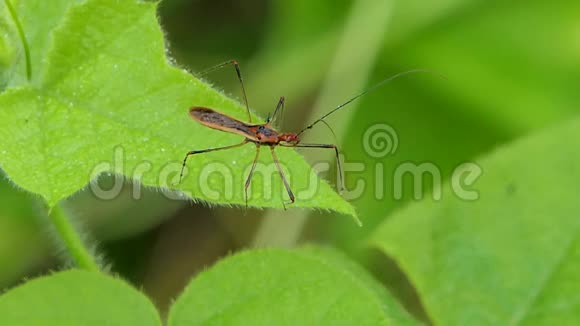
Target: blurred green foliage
(511, 69)
(512, 254)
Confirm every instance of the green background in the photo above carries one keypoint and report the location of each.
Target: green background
(511, 70)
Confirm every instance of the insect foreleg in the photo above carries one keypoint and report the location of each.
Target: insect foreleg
(249, 179)
(282, 176)
(341, 186)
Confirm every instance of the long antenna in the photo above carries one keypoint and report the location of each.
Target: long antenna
(379, 84)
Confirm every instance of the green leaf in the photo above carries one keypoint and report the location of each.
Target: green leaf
(10, 65)
(510, 257)
(301, 287)
(104, 98)
(36, 18)
(76, 298)
(21, 228)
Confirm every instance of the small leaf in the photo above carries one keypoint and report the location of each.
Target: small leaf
(105, 99)
(76, 298)
(512, 256)
(282, 287)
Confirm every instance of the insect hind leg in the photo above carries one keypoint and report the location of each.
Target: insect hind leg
(240, 79)
(206, 151)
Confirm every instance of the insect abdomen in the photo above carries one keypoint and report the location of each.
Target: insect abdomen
(215, 120)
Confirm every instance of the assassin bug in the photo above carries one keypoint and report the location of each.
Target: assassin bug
(264, 134)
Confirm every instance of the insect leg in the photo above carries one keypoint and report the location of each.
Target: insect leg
(286, 185)
(341, 186)
(239, 73)
(206, 151)
(249, 179)
(278, 111)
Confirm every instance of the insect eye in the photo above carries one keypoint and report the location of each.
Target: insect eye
(261, 128)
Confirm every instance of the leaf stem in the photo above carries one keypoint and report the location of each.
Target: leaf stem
(72, 240)
(22, 38)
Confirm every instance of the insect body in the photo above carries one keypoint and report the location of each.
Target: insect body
(258, 134)
(264, 134)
